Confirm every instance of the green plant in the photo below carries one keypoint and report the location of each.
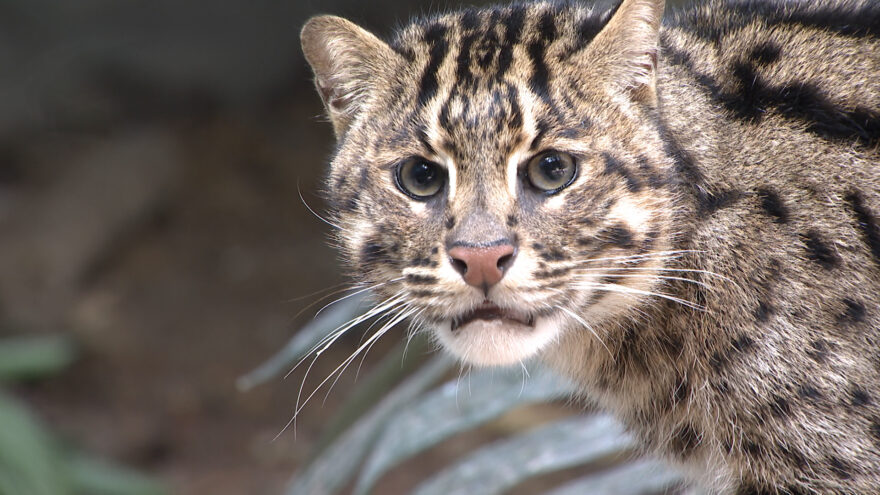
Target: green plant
(367, 440)
(32, 460)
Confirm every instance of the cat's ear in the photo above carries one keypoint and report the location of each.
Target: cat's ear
(626, 48)
(348, 62)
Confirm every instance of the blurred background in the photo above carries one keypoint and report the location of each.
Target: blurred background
(152, 158)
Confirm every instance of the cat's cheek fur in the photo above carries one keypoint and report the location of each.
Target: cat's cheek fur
(498, 343)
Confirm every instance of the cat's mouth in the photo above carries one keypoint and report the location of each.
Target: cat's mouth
(490, 311)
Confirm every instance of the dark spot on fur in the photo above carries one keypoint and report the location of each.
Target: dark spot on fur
(373, 252)
(867, 223)
(553, 255)
(765, 53)
(511, 221)
(537, 246)
(681, 391)
(710, 202)
(585, 241)
(618, 235)
(450, 222)
(819, 251)
(685, 439)
(763, 311)
(796, 457)
(818, 350)
(421, 279)
(544, 274)
(774, 206)
(875, 431)
(742, 343)
(860, 396)
(855, 312)
(435, 250)
(807, 391)
(718, 361)
(780, 407)
(839, 467)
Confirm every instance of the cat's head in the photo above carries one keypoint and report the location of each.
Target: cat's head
(500, 174)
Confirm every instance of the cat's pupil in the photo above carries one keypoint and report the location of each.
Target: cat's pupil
(424, 174)
(553, 168)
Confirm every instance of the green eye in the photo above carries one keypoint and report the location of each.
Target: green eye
(551, 171)
(419, 178)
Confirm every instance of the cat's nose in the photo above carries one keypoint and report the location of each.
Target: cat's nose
(482, 266)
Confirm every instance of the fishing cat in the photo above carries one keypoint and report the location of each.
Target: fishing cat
(683, 215)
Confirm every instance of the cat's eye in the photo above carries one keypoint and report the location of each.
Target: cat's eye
(419, 178)
(551, 171)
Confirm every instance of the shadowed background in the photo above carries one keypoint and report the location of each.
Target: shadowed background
(152, 157)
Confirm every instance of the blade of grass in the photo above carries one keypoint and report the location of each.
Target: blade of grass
(579, 440)
(640, 478)
(305, 340)
(400, 362)
(28, 358)
(454, 407)
(332, 470)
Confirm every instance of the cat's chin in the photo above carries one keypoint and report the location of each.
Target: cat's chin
(497, 342)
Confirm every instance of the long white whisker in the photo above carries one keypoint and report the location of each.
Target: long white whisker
(631, 290)
(583, 322)
(359, 291)
(660, 277)
(319, 217)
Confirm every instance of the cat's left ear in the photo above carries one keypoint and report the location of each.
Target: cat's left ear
(349, 64)
(625, 50)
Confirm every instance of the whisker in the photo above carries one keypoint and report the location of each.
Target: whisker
(319, 217)
(630, 290)
(583, 322)
(342, 366)
(359, 291)
(639, 268)
(660, 277)
(334, 335)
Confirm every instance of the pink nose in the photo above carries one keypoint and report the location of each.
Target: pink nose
(482, 267)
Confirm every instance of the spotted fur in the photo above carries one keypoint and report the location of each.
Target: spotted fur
(712, 273)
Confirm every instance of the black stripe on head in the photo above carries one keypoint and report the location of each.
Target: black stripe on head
(539, 82)
(435, 37)
(513, 25)
(542, 126)
(867, 222)
(614, 166)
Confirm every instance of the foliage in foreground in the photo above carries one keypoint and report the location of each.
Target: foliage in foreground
(368, 439)
(32, 460)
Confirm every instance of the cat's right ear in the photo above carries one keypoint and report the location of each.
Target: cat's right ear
(348, 62)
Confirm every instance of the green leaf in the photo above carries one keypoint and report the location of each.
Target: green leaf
(454, 407)
(640, 478)
(305, 340)
(93, 477)
(500, 466)
(24, 358)
(29, 460)
(335, 467)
